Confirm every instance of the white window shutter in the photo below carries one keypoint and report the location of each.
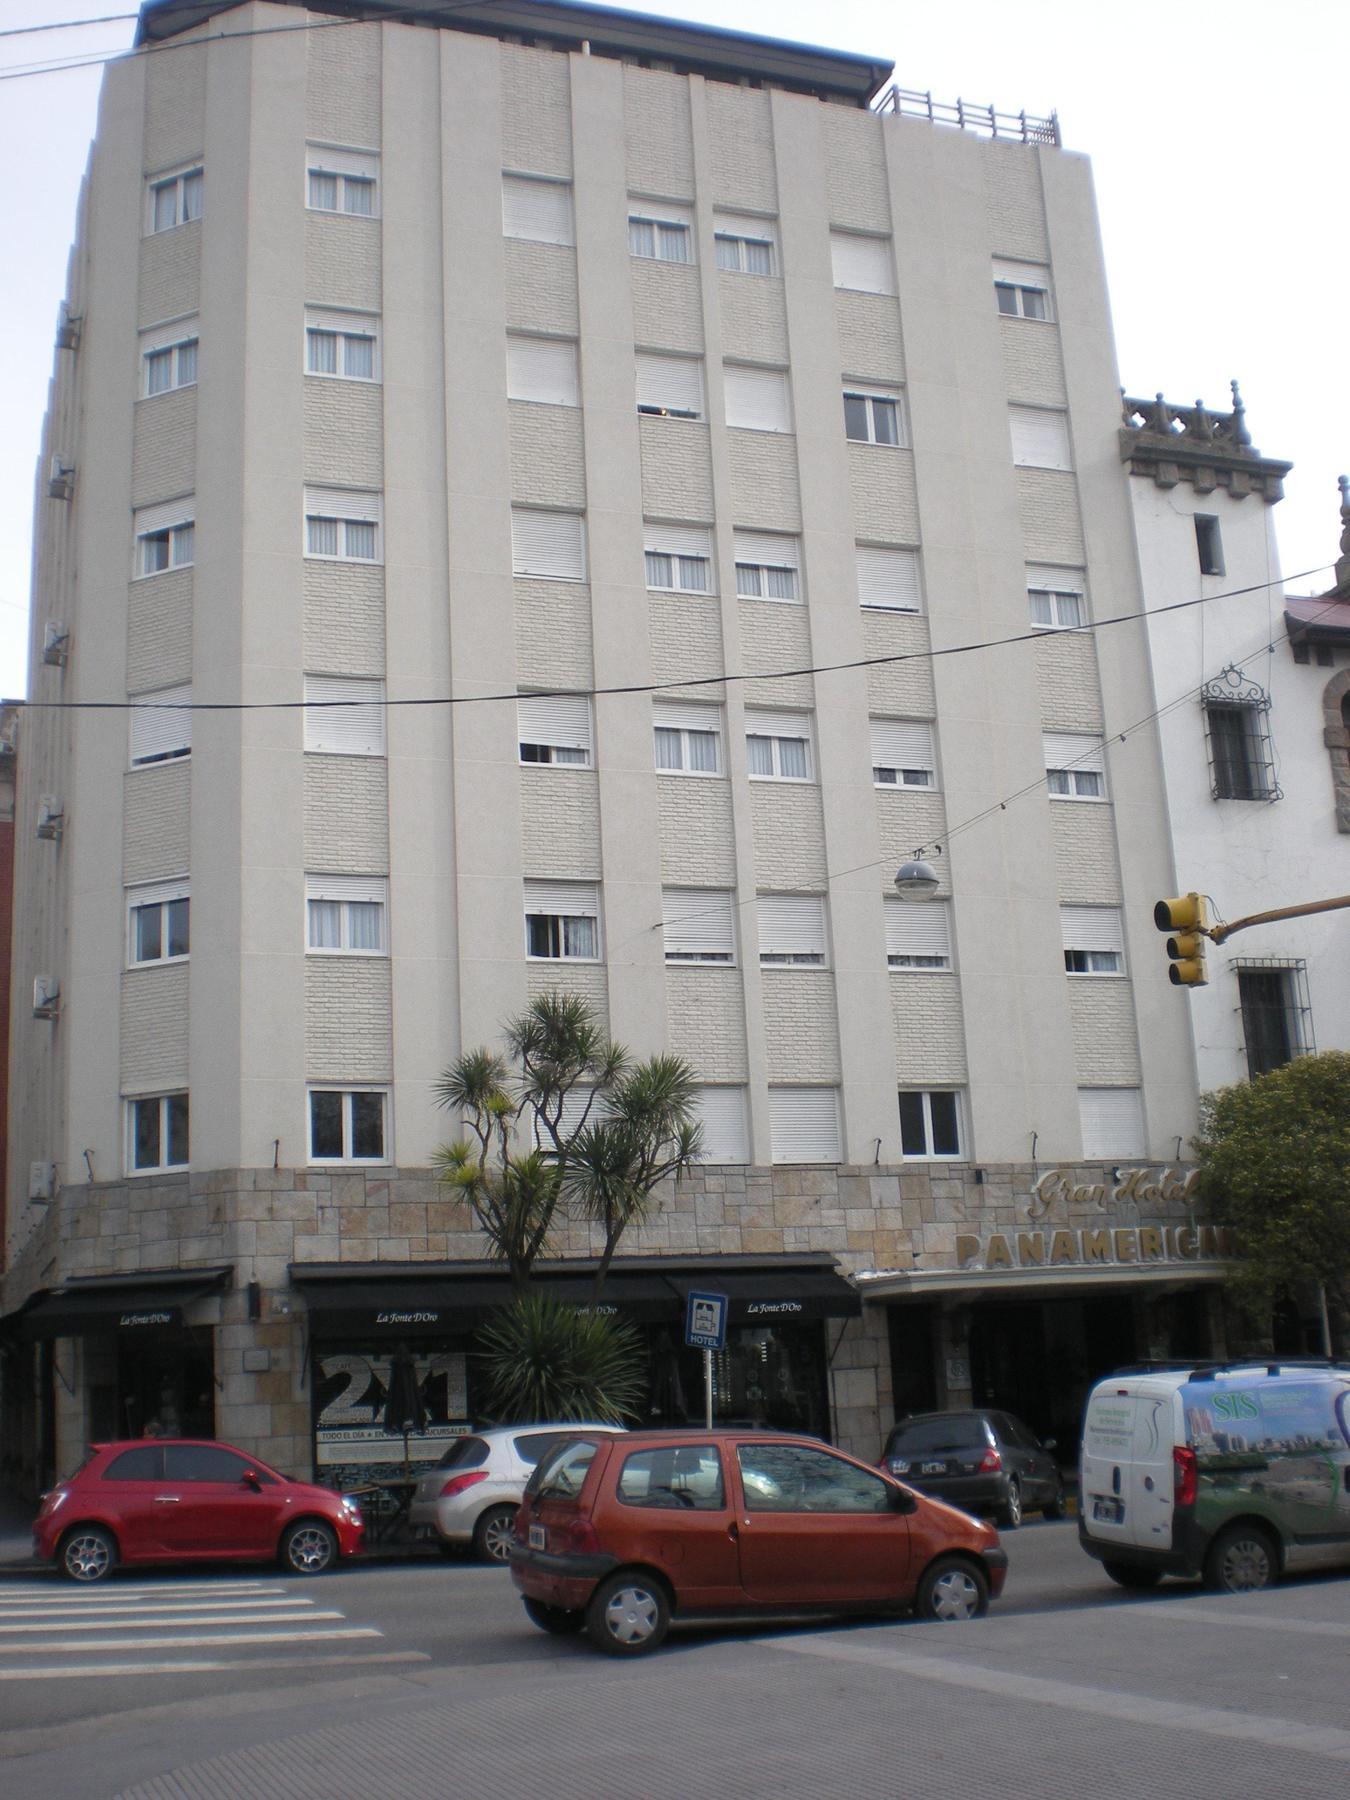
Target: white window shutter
(721, 1113)
(1112, 1122)
(344, 717)
(159, 893)
(1091, 928)
(344, 503)
(1019, 274)
(778, 724)
(918, 927)
(698, 920)
(542, 369)
(1072, 750)
(888, 578)
(863, 263)
(160, 337)
(901, 744)
(791, 924)
(673, 715)
(329, 161)
(804, 1124)
(774, 548)
(567, 899)
(165, 516)
(672, 382)
(756, 399)
(549, 545)
(538, 210)
(1056, 581)
(366, 888)
(161, 724)
(677, 540)
(1040, 439)
(745, 225)
(562, 720)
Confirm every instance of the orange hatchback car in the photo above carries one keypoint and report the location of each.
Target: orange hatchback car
(617, 1535)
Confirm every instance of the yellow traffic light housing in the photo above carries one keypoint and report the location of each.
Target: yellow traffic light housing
(1184, 916)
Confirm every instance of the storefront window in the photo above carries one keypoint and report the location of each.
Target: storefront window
(768, 1375)
(361, 1394)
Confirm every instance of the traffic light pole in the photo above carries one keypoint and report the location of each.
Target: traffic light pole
(1217, 933)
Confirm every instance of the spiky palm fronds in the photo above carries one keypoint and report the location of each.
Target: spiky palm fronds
(546, 1360)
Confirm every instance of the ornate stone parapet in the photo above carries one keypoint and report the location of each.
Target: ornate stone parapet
(1172, 444)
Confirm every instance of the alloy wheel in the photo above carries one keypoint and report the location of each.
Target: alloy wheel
(1243, 1564)
(88, 1556)
(495, 1533)
(310, 1549)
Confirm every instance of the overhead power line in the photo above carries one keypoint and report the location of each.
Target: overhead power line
(66, 25)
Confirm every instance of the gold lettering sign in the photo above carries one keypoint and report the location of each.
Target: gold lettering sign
(1143, 1188)
(1100, 1247)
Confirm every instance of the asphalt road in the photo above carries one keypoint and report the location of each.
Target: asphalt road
(424, 1678)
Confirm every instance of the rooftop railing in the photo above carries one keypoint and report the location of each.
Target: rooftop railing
(985, 121)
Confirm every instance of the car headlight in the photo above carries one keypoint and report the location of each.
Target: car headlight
(352, 1508)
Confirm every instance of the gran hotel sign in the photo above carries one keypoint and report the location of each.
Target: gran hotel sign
(1058, 1237)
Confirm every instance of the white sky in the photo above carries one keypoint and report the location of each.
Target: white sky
(1217, 141)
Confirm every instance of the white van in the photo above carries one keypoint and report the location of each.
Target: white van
(1232, 1471)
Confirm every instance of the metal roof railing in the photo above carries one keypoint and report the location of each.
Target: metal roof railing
(985, 121)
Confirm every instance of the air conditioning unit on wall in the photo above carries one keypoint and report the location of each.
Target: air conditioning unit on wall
(42, 1181)
(46, 996)
(51, 818)
(61, 483)
(55, 644)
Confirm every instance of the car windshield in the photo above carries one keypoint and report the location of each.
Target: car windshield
(959, 1432)
(562, 1473)
(466, 1453)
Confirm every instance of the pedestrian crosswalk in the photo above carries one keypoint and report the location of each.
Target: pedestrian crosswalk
(50, 1633)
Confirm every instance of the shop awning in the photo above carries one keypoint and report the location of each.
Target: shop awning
(88, 1306)
(775, 1293)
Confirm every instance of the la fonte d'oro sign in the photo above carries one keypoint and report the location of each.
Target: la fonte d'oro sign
(1051, 1245)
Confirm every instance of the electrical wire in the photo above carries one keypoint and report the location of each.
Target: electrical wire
(67, 25)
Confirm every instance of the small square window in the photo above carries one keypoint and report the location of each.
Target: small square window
(873, 418)
(175, 200)
(158, 926)
(1209, 544)
(660, 234)
(157, 1133)
(930, 1124)
(347, 1125)
(342, 181)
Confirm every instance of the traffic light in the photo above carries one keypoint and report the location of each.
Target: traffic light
(1185, 916)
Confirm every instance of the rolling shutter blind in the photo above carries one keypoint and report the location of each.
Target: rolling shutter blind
(804, 1124)
(563, 720)
(547, 544)
(743, 225)
(673, 382)
(1112, 1122)
(343, 503)
(165, 516)
(567, 899)
(677, 540)
(161, 724)
(863, 263)
(721, 1112)
(698, 919)
(1070, 750)
(327, 161)
(542, 369)
(774, 548)
(347, 887)
(1040, 439)
(1091, 928)
(538, 210)
(901, 744)
(791, 924)
(157, 893)
(888, 578)
(776, 724)
(160, 337)
(1055, 581)
(1034, 275)
(918, 928)
(670, 715)
(756, 399)
(346, 717)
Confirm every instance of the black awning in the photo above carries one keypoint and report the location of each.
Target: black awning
(152, 1300)
(774, 1294)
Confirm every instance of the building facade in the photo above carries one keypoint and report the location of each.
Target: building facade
(566, 500)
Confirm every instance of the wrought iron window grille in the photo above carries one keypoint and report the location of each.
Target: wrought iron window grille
(1237, 738)
(1276, 1011)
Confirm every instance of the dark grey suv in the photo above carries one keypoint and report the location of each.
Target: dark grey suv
(982, 1461)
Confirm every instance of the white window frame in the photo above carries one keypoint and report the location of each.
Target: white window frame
(1032, 429)
(776, 729)
(669, 387)
(1123, 1133)
(161, 726)
(187, 185)
(793, 932)
(824, 1102)
(764, 559)
(721, 1111)
(352, 512)
(536, 209)
(354, 173)
(568, 552)
(909, 591)
(157, 897)
(678, 559)
(1022, 291)
(1094, 939)
(162, 1102)
(349, 1095)
(345, 892)
(872, 398)
(743, 382)
(344, 716)
(689, 722)
(918, 936)
(1064, 593)
(699, 927)
(174, 342)
(859, 270)
(741, 240)
(928, 1153)
(910, 739)
(1075, 767)
(171, 527)
(346, 329)
(559, 901)
(543, 371)
(556, 726)
(660, 231)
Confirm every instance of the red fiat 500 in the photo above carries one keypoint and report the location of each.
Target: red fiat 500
(182, 1500)
(619, 1534)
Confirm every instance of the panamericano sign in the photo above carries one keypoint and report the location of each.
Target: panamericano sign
(1094, 1247)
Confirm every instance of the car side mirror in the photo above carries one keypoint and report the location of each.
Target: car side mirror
(902, 1501)
(250, 1480)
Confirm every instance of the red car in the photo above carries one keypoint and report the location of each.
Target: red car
(189, 1500)
(617, 1534)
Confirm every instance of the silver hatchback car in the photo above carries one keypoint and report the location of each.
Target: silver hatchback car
(470, 1497)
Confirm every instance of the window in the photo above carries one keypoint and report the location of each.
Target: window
(862, 263)
(804, 1124)
(343, 525)
(1040, 439)
(699, 925)
(549, 546)
(1208, 544)
(1093, 940)
(679, 558)
(1237, 731)
(157, 923)
(210, 1462)
(1056, 599)
(537, 209)
(791, 931)
(685, 1477)
(659, 232)
(345, 915)
(1075, 766)
(721, 1113)
(669, 387)
(344, 345)
(168, 359)
(902, 753)
(1112, 1122)
(347, 1125)
(790, 1478)
(165, 538)
(342, 181)
(1276, 1016)
(554, 728)
(543, 370)
(562, 921)
(344, 716)
(930, 1123)
(768, 565)
(1022, 290)
(874, 417)
(756, 399)
(778, 746)
(161, 726)
(744, 245)
(888, 580)
(688, 738)
(144, 1463)
(157, 1132)
(918, 934)
(175, 199)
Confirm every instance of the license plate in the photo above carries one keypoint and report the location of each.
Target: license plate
(538, 1537)
(935, 1468)
(1110, 1512)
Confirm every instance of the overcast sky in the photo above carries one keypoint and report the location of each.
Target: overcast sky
(1217, 139)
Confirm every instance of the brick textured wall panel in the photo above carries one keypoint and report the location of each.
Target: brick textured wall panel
(1052, 528)
(1066, 677)
(155, 821)
(676, 470)
(536, 111)
(170, 273)
(346, 815)
(159, 631)
(342, 261)
(1085, 853)
(753, 316)
(1013, 202)
(344, 433)
(930, 1038)
(801, 1025)
(1032, 362)
(553, 634)
(855, 163)
(659, 142)
(590, 980)
(548, 461)
(344, 618)
(902, 689)
(789, 836)
(541, 287)
(348, 1029)
(686, 643)
(698, 847)
(705, 1021)
(667, 306)
(740, 132)
(342, 88)
(175, 105)
(164, 447)
(776, 636)
(1105, 1042)
(907, 817)
(560, 823)
(765, 492)
(870, 346)
(885, 502)
(154, 1029)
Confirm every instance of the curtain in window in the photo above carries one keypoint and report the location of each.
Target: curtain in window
(154, 552)
(792, 758)
(325, 924)
(159, 372)
(360, 358)
(322, 537)
(759, 755)
(323, 353)
(358, 195)
(192, 204)
(641, 237)
(166, 207)
(668, 749)
(187, 363)
(184, 544)
(364, 920)
(323, 191)
(703, 751)
(360, 540)
(147, 933)
(578, 937)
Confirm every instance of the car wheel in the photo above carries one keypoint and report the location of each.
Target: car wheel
(558, 1621)
(309, 1547)
(492, 1534)
(88, 1553)
(952, 1589)
(1132, 1575)
(1012, 1507)
(1241, 1560)
(1054, 1507)
(628, 1614)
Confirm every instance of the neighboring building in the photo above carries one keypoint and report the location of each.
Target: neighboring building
(9, 746)
(586, 359)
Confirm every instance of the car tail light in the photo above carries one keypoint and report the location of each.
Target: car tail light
(990, 1463)
(458, 1484)
(579, 1536)
(1183, 1475)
